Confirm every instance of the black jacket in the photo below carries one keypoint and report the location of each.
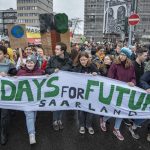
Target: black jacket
(139, 71)
(89, 69)
(145, 80)
(56, 62)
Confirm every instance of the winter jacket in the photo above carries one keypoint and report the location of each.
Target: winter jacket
(26, 72)
(104, 69)
(89, 69)
(145, 80)
(139, 71)
(118, 72)
(56, 62)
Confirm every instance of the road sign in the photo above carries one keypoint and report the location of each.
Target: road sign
(134, 19)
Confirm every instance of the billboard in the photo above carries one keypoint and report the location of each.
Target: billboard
(115, 15)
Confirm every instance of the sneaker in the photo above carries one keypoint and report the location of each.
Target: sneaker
(82, 130)
(32, 139)
(128, 122)
(133, 133)
(134, 126)
(91, 130)
(60, 124)
(103, 124)
(148, 137)
(118, 134)
(55, 126)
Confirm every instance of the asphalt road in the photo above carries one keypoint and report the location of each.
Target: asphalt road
(69, 138)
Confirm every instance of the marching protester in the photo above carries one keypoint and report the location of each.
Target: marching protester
(6, 69)
(41, 58)
(117, 49)
(104, 68)
(99, 56)
(9, 54)
(82, 64)
(133, 49)
(145, 84)
(31, 69)
(60, 61)
(122, 69)
(23, 56)
(141, 56)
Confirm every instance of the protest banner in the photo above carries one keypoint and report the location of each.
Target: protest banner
(17, 36)
(74, 91)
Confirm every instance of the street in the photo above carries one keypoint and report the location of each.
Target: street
(69, 138)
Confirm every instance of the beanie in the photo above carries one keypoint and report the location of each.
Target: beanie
(32, 58)
(126, 51)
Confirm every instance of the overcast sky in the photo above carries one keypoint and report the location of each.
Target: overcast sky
(73, 8)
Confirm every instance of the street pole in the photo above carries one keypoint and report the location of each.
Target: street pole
(131, 29)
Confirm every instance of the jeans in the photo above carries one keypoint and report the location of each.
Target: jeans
(30, 121)
(85, 119)
(118, 122)
(57, 115)
(139, 121)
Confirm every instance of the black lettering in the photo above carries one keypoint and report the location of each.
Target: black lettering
(72, 92)
(117, 112)
(64, 103)
(78, 104)
(132, 113)
(104, 109)
(53, 102)
(90, 107)
(42, 103)
(63, 90)
(80, 93)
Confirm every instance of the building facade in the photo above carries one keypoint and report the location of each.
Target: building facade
(29, 10)
(93, 19)
(142, 30)
(97, 27)
(8, 16)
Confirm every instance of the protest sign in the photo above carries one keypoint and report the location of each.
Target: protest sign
(74, 91)
(17, 36)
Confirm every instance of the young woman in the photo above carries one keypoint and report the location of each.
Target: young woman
(108, 60)
(82, 64)
(31, 69)
(122, 70)
(41, 58)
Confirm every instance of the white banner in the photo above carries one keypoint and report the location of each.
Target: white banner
(74, 91)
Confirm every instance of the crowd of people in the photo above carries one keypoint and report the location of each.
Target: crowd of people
(114, 60)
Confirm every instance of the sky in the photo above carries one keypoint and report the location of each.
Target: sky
(73, 8)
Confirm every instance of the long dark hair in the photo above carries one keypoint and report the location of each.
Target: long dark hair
(76, 61)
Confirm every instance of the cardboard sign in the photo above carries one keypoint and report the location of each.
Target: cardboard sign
(17, 36)
(46, 43)
(65, 38)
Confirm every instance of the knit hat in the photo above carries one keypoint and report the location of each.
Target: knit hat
(32, 58)
(126, 51)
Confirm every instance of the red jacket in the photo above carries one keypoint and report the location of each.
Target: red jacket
(44, 64)
(118, 72)
(26, 72)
